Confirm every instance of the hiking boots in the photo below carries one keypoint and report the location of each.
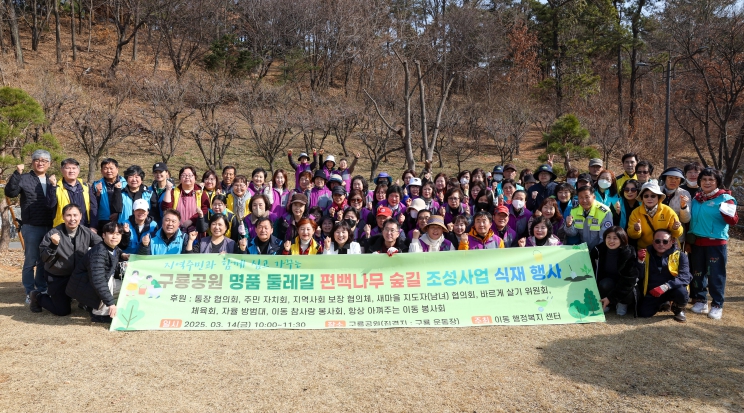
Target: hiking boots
(679, 313)
(33, 304)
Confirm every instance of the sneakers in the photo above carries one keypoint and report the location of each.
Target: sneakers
(700, 307)
(679, 314)
(621, 309)
(33, 304)
(28, 299)
(715, 312)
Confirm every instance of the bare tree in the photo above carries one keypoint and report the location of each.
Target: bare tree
(345, 119)
(98, 126)
(379, 141)
(214, 132)
(271, 123)
(128, 16)
(55, 94)
(186, 42)
(10, 7)
(164, 114)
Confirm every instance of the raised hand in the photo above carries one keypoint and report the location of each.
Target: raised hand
(401, 219)
(569, 221)
(168, 185)
(450, 227)
(287, 245)
(617, 207)
(534, 194)
(683, 201)
(289, 152)
(146, 240)
(117, 185)
(642, 255)
(243, 244)
(55, 238)
(192, 236)
(99, 188)
(367, 231)
(676, 224)
(551, 158)
(409, 201)
(637, 226)
(416, 234)
(357, 155)
(19, 168)
(53, 180)
(522, 242)
(321, 151)
(537, 214)
(126, 227)
(327, 243)
(464, 237)
(318, 232)
(442, 211)
(332, 211)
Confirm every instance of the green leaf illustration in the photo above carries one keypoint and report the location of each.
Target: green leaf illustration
(131, 314)
(591, 302)
(577, 309)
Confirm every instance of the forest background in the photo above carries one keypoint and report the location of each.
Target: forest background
(462, 83)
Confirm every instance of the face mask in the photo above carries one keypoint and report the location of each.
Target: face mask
(692, 184)
(352, 222)
(571, 181)
(481, 206)
(498, 177)
(518, 204)
(464, 181)
(604, 184)
(414, 213)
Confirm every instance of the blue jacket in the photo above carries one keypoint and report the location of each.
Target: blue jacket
(275, 246)
(707, 220)
(135, 236)
(127, 202)
(158, 245)
(104, 208)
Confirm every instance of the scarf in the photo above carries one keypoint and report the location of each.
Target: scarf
(651, 212)
(434, 245)
(711, 194)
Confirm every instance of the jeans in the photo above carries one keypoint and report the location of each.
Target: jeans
(605, 287)
(708, 273)
(650, 304)
(32, 237)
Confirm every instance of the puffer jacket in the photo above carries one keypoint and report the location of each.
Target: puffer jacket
(34, 209)
(60, 260)
(89, 283)
(627, 268)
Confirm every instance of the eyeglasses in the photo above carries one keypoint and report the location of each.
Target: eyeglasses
(630, 189)
(41, 161)
(662, 241)
(453, 198)
(642, 172)
(356, 200)
(646, 196)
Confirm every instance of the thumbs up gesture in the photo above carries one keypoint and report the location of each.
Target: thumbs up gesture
(287, 245)
(683, 202)
(522, 242)
(569, 221)
(676, 224)
(126, 227)
(327, 243)
(243, 244)
(146, 240)
(617, 207)
(637, 226)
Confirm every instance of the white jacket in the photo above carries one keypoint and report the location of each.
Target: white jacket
(354, 248)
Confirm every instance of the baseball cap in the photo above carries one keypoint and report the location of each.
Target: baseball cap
(384, 211)
(596, 162)
(160, 167)
(141, 204)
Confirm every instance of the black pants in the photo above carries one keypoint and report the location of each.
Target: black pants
(650, 304)
(55, 300)
(606, 285)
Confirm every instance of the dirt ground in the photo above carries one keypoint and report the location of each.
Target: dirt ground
(50, 363)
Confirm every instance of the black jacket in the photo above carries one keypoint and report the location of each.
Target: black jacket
(543, 192)
(89, 283)
(34, 209)
(377, 244)
(60, 260)
(627, 266)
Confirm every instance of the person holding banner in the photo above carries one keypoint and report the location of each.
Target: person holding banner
(304, 243)
(95, 283)
(264, 243)
(219, 207)
(614, 263)
(481, 235)
(139, 224)
(666, 275)
(433, 239)
(169, 240)
(501, 226)
(340, 241)
(259, 207)
(217, 243)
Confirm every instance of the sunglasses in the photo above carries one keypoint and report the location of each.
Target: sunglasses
(356, 200)
(630, 189)
(645, 196)
(642, 172)
(662, 241)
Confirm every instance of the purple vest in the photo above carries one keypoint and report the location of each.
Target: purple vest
(446, 246)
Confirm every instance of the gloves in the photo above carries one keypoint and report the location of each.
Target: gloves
(658, 291)
(728, 209)
(391, 251)
(642, 255)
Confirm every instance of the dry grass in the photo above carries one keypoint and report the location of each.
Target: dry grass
(68, 364)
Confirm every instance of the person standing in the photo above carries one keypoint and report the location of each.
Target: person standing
(72, 191)
(108, 192)
(630, 160)
(36, 216)
(589, 220)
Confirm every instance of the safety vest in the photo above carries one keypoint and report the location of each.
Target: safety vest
(594, 220)
(231, 204)
(312, 249)
(672, 265)
(63, 199)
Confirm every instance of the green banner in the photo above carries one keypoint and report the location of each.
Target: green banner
(516, 286)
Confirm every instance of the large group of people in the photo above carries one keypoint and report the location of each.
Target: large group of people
(639, 229)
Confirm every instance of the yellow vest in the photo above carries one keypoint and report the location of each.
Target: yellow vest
(311, 250)
(672, 264)
(596, 215)
(177, 196)
(63, 199)
(231, 205)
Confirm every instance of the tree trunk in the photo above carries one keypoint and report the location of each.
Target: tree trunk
(57, 38)
(14, 31)
(135, 41)
(92, 167)
(407, 142)
(90, 25)
(558, 62)
(424, 121)
(72, 30)
(2, 31)
(635, 29)
(5, 230)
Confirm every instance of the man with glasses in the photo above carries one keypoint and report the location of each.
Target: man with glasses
(644, 171)
(666, 277)
(72, 191)
(36, 216)
(169, 240)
